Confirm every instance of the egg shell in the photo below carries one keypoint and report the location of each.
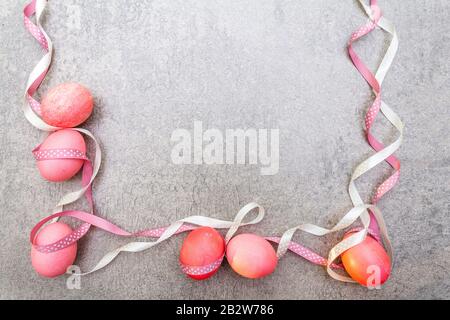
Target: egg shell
(55, 263)
(251, 256)
(202, 247)
(67, 105)
(359, 261)
(61, 169)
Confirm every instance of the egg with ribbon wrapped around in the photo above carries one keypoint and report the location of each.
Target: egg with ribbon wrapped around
(367, 263)
(202, 253)
(251, 256)
(67, 105)
(52, 264)
(62, 143)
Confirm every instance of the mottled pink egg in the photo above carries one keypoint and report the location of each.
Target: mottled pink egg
(251, 256)
(55, 263)
(67, 105)
(61, 169)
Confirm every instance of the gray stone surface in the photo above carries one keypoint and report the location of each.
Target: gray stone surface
(156, 66)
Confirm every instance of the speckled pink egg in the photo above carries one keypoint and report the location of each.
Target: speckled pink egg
(55, 263)
(61, 169)
(251, 256)
(67, 105)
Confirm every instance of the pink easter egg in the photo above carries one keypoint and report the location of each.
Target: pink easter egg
(251, 256)
(61, 169)
(55, 263)
(367, 263)
(67, 105)
(202, 247)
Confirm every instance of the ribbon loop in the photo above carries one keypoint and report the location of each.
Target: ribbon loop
(241, 215)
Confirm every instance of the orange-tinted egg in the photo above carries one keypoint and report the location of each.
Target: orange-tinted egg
(251, 256)
(201, 253)
(367, 263)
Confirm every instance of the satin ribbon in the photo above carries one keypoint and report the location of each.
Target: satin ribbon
(369, 215)
(201, 270)
(382, 153)
(31, 107)
(354, 239)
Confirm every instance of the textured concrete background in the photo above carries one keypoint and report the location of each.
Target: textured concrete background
(156, 66)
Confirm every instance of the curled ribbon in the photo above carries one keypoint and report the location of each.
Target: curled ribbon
(370, 215)
(382, 153)
(354, 239)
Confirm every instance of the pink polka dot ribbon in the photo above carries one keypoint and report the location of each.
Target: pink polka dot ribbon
(305, 253)
(55, 154)
(374, 109)
(38, 33)
(89, 219)
(32, 112)
(65, 154)
(201, 270)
